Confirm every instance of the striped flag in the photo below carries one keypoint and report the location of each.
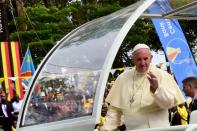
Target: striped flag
(16, 68)
(6, 69)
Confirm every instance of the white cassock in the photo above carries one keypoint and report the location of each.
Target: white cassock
(131, 96)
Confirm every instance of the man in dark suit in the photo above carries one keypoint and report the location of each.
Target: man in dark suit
(5, 114)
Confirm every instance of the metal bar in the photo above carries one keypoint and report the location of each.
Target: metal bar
(179, 17)
(181, 9)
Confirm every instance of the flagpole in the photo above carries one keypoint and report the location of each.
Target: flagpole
(3, 21)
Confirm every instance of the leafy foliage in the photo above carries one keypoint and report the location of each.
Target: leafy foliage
(47, 21)
(47, 25)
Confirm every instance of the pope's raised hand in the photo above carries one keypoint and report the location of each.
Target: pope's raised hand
(153, 81)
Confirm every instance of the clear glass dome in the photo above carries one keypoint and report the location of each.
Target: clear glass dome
(66, 84)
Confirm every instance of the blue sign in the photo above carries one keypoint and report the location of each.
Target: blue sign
(174, 43)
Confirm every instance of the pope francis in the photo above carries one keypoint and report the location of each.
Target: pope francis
(142, 95)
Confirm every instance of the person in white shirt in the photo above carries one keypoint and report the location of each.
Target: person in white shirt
(16, 103)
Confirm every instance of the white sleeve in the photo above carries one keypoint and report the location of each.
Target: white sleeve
(112, 119)
(164, 97)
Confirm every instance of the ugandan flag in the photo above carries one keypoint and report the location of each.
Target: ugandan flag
(6, 69)
(16, 68)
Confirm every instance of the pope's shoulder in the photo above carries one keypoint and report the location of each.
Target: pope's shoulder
(126, 74)
(160, 72)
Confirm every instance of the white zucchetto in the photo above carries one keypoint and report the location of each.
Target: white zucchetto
(140, 46)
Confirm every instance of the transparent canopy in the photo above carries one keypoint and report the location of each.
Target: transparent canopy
(69, 84)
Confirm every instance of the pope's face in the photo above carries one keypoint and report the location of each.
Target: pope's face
(142, 59)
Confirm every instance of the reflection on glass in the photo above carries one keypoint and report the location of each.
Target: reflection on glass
(66, 83)
(62, 97)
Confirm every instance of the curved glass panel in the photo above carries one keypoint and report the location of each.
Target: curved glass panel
(58, 97)
(67, 83)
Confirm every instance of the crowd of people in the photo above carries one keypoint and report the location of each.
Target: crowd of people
(61, 98)
(9, 111)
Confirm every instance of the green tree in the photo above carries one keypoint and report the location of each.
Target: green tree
(45, 26)
(48, 21)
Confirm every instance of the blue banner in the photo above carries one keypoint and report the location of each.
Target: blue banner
(174, 43)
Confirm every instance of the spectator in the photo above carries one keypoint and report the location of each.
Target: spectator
(5, 113)
(16, 103)
(190, 89)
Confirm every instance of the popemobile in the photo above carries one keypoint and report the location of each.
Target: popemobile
(66, 93)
